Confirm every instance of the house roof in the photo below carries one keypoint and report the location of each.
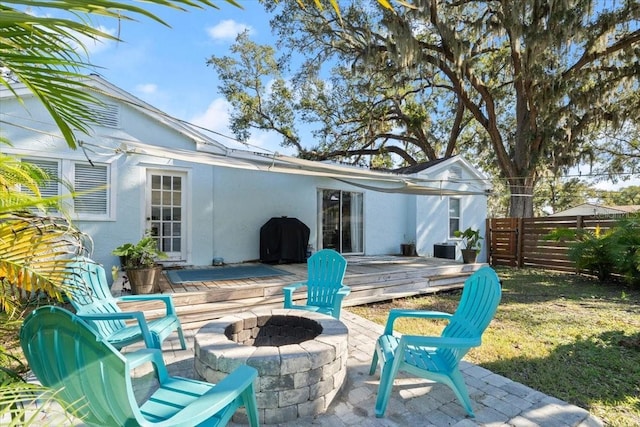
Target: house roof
(207, 150)
(595, 209)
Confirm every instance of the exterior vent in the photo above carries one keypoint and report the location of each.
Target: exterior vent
(455, 172)
(107, 115)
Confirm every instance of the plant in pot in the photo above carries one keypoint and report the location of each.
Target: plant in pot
(470, 239)
(408, 249)
(138, 260)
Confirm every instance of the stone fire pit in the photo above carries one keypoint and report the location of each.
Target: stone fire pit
(301, 358)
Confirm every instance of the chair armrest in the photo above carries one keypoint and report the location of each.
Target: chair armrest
(396, 313)
(147, 355)
(216, 399)
(343, 291)
(166, 299)
(125, 315)
(288, 292)
(447, 342)
(337, 301)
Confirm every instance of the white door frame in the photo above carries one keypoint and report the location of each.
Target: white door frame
(169, 218)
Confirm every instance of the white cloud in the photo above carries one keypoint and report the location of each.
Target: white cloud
(147, 88)
(227, 30)
(98, 44)
(216, 119)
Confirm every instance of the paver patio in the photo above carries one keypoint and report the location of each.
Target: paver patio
(497, 400)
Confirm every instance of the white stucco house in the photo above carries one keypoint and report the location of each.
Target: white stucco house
(204, 200)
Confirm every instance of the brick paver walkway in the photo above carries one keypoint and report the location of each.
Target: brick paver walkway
(497, 400)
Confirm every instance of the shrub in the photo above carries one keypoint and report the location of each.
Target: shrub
(603, 254)
(626, 248)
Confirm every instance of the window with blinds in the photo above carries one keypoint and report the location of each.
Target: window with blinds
(50, 188)
(91, 194)
(90, 183)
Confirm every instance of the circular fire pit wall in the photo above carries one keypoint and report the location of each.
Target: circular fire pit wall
(301, 358)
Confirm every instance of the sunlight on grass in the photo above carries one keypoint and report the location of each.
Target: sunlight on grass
(566, 336)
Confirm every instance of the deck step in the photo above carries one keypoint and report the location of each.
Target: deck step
(195, 310)
(374, 281)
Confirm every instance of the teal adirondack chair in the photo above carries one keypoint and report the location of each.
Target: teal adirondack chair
(89, 293)
(437, 358)
(69, 356)
(325, 291)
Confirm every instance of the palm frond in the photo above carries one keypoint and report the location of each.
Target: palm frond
(36, 251)
(22, 402)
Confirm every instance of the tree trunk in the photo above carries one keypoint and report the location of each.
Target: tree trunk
(521, 202)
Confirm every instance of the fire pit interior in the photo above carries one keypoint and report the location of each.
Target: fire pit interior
(301, 358)
(274, 330)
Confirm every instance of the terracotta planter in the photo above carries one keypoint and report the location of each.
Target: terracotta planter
(469, 255)
(144, 280)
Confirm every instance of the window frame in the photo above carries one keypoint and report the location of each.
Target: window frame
(67, 173)
(360, 221)
(450, 217)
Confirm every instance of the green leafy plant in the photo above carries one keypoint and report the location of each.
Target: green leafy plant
(142, 254)
(625, 249)
(470, 238)
(605, 254)
(591, 250)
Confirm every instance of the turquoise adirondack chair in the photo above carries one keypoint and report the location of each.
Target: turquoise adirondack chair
(69, 356)
(89, 293)
(437, 358)
(325, 291)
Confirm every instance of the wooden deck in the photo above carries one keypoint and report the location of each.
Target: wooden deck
(372, 279)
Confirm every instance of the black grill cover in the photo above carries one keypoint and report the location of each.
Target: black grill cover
(283, 240)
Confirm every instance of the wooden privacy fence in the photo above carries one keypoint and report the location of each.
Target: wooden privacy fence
(519, 242)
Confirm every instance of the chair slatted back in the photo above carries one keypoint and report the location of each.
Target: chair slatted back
(67, 355)
(89, 293)
(326, 269)
(478, 304)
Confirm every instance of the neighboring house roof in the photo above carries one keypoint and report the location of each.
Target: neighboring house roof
(594, 209)
(416, 179)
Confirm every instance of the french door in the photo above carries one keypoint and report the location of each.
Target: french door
(165, 212)
(341, 220)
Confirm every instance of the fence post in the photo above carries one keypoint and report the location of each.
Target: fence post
(520, 242)
(487, 238)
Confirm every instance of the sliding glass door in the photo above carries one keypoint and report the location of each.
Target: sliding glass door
(341, 219)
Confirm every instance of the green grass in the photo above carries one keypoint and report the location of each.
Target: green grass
(564, 335)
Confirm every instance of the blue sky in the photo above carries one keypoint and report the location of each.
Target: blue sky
(166, 67)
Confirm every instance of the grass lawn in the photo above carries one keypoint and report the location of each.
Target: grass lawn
(566, 336)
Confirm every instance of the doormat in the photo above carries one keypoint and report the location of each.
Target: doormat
(223, 273)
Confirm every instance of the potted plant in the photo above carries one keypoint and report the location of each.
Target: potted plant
(138, 260)
(470, 239)
(408, 249)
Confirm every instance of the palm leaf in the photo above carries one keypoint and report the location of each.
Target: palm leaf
(36, 251)
(15, 396)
